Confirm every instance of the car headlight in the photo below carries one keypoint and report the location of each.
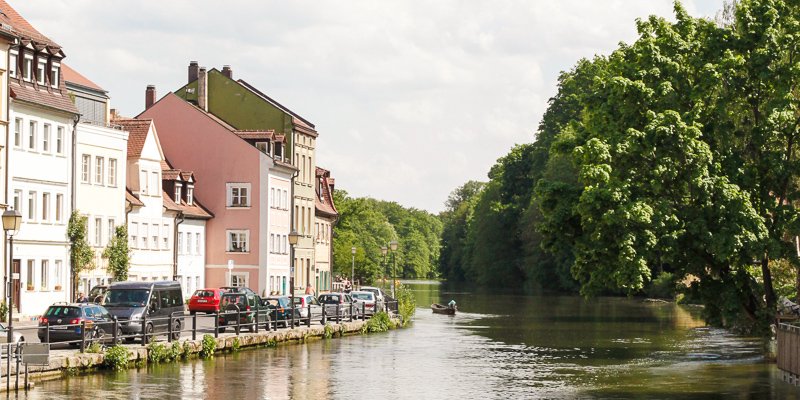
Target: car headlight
(135, 317)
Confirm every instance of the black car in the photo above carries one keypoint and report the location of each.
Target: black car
(66, 320)
(245, 305)
(238, 289)
(280, 311)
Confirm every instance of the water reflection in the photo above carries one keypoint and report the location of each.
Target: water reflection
(498, 346)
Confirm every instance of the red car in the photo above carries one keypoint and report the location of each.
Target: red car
(205, 300)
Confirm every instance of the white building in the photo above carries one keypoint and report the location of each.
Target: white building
(279, 220)
(7, 40)
(40, 167)
(150, 223)
(100, 177)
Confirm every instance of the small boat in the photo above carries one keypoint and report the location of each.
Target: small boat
(440, 309)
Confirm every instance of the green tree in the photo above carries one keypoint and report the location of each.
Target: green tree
(118, 254)
(81, 255)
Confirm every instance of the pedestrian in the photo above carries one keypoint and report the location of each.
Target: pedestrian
(82, 298)
(309, 289)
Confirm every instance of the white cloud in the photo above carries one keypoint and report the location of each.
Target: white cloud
(411, 98)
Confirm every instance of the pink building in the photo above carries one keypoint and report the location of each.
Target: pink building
(247, 191)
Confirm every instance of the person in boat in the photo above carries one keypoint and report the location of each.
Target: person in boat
(452, 304)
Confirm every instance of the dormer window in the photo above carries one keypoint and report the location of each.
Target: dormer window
(263, 147)
(27, 67)
(278, 150)
(41, 67)
(55, 75)
(189, 195)
(177, 192)
(319, 193)
(13, 61)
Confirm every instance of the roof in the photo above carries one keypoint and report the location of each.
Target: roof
(131, 198)
(23, 28)
(48, 98)
(297, 118)
(137, 133)
(74, 77)
(247, 134)
(323, 202)
(196, 209)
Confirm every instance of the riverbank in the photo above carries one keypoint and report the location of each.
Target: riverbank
(69, 362)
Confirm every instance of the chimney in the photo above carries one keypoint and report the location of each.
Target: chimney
(114, 114)
(202, 89)
(193, 69)
(227, 71)
(149, 96)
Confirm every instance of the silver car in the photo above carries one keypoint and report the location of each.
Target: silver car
(337, 307)
(366, 302)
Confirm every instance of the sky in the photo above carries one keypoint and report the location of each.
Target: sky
(410, 98)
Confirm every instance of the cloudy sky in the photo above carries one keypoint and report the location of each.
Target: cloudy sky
(411, 98)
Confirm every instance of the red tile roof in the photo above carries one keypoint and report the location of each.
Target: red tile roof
(196, 210)
(131, 198)
(24, 28)
(323, 202)
(72, 76)
(137, 133)
(245, 134)
(45, 97)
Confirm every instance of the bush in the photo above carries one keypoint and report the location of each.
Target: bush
(662, 287)
(328, 333)
(236, 344)
(380, 322)
(3, 311)
(187, 349)
(116, 358)
(209, 346)
(95, 348)
(157, 353)
(175, 351)
(406, 304)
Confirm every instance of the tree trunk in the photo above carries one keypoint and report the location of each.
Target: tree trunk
(769, 292)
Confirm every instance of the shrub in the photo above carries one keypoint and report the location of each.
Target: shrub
(175, 351)
(236, 344)
(209, 346)
(95, 348)
(187, 349)
(116, 358)
(157, 353)
(662, 287)
(380, 322)
(3, 311)
(406, 304)
(328, 333)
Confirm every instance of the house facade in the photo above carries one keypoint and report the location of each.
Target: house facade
(40, 159)
(101, 153)
(325, 210)
(8, 39)
(247, 191)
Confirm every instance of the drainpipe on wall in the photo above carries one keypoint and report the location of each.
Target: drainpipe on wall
(291, 222)
(175, 245)
(73, 191)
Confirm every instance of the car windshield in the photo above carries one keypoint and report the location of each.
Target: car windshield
(278, 302)
(329, 299)
(233, 300)
(361, 296)
(126, 298)
(96, 291)
(204, 293)
(58, 311)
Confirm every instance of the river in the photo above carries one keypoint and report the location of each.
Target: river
(498, 346)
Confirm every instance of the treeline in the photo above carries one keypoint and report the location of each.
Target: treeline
(673, 161)
(368, 224)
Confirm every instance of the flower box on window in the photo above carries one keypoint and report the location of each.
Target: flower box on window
(57, 288)
(30, 287)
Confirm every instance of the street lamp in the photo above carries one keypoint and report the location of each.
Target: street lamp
(293, 238)
(384, 250)
(11, 222)
(353, 267)
(393, 246)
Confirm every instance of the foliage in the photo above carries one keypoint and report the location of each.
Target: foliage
(208, 347)
(118, 254)
(368, 224)
(81, 255)
(328, 331)
(186, 350)
(662, 287)
(94, 348)
(3, 311)
(158, 353)
(407, 303)
(236, 344)
(380, 322)
(116, 357)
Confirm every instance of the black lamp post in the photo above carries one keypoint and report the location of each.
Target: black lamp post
(353, 268)
(384, 250)
(293, 238)
(393, 246)
(11, 222)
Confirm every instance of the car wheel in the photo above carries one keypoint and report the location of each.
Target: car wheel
(148, 331)
(176, 331)
(99, 334)
(119, 334)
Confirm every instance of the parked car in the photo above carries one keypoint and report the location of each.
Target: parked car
(379, 294)
(18, 337)
(333, 302)
(238, 289)
(365, 302)
(97, 292)
(131, 302)
(65, 323)
(205, 300)
(247, 305)
(303, 301)
(280, 310)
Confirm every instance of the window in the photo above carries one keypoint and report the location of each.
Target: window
(111, 229)
(272, 197)
(302, 221)
(98, 231)
(278, 151)
(45, 284)
(263, 147)
(59, 208)
(166, 237)
(177, 192)
(32, 136)
(86, 160)
(143, 182)
(55, 75)
(112, 172)
(27, 67)
(134, 234)
(45, 206)
(29, 278)
(180, 243)
(46, 138)
(285, 200)
(154, 235)
(238, 195)
(99, 167)
(60, 140)
(13, 61)
(303, 167)
(271, 242)
(41, 66)
(31, 206)
(237, 241)
(239, 279)
(188, 243)
(18, 132)
(144, 236)
(154, 184)
(18, 200)
(57, 271)
(190, 195)
(197, 243)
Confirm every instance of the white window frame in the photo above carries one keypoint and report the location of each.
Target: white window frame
(18, 132)
(18, 200)
(46, 138)
(59, 208)
(180, 242)
(13, 62)
(112, 228)
(86, 166)
(112, 172)
(45, 207)
(190, 195)
(98, 231)
(143, 177)
(165, 238)
(177, 193)
(239, 279)
(133, 235)
(27, 66)
(55, 74)
(145, 239)
(238, 240)
(57, 274)
(242, 201)
(197, 243)
(60, 140)
(31, 206)
(32, 126)
(41, 68)
(155, 184)
(99, 170)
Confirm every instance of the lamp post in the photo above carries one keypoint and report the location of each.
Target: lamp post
(230, 272)
(293, 238)
(11, 222)
(393, 246)
(353, 267)
(384, 250)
